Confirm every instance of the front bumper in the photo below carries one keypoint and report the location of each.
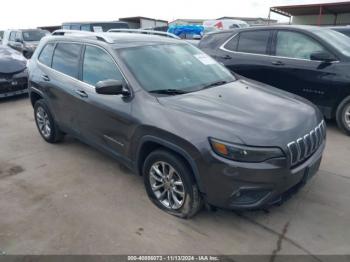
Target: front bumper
(233, 185)
(14, 85)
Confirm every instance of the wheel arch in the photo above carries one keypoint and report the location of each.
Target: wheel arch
(151, 143)
(35, 96)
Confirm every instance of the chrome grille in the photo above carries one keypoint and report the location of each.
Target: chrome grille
(305, 146)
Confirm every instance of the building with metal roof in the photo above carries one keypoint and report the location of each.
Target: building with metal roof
(337, 13)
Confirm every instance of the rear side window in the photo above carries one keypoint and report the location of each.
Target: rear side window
(66, 59)
(213, 40)
(254, 42)
(99, 65)
(232, 44)
(45, 56)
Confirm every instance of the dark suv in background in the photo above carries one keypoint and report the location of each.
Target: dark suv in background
(312, 62)
(24, 41)
(173, 114)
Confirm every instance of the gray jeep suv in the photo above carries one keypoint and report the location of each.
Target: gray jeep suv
(196, 132)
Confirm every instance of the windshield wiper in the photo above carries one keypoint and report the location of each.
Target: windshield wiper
(169, 91)
(217, 83)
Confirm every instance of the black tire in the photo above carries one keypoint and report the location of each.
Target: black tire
(342, 111)
(192, 200)
(55, 135)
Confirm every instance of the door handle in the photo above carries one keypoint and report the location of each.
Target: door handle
(226, 57)
(277, 63)
(81, 93)
(45, 78)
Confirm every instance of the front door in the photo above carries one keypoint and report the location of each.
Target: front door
(104, 120)
(293, 70)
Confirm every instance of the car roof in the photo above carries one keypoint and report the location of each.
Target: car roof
(117, 40)
(340, 27)
(94, 22)
(271, 27)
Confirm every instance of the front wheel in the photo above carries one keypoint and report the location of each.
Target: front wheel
(343, 115)
(170, 184)
(47, 127)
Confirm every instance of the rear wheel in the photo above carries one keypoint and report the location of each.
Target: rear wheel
(343, 115)
(47, 127)
(170, 185)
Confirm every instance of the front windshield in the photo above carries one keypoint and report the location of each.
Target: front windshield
(179, 67)
(33, 35)
(336, 39)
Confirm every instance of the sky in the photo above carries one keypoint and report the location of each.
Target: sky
(34, 13)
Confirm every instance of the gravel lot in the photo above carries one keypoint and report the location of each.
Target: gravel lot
(71, 199)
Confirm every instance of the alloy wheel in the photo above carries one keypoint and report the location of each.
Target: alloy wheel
(43, 121)
(167, 185)
(347, 116)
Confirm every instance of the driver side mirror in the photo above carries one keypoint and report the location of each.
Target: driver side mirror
(111, 87)
(322, 56)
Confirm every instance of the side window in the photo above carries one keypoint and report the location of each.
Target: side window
(66, 59)
(296, 45)
(232, 44)
(99, 65)
(254, 42)
(85, 28)
(18, 35)
(45, 56)
(12, 36)
(75, 27)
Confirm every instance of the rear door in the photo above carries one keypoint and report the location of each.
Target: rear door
(247, 54)
(293, 70)
(104, 119)
(62, 82)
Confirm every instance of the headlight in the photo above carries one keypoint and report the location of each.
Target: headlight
(242, 153)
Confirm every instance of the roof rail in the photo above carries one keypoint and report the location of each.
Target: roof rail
(142, 31)
(77, 33)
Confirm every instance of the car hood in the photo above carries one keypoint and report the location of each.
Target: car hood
(257, 114)
(11, 61)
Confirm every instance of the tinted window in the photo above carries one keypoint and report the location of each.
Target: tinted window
(75, 27)
(46, 54)
(213, 40)
(18, 35)
(85, 27)
(232, 44)
(296, 45)
(253, 42)
(12, 36)
(98, 66)
(66, 59)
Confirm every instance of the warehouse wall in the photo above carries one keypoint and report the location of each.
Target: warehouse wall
(343, 19)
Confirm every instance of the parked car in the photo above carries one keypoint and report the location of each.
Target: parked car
(169, 112)
(342, 29)
(1, 36)
(24, 41)
(312, 62)
(13, 72)
(225, 24)
(95, 26)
